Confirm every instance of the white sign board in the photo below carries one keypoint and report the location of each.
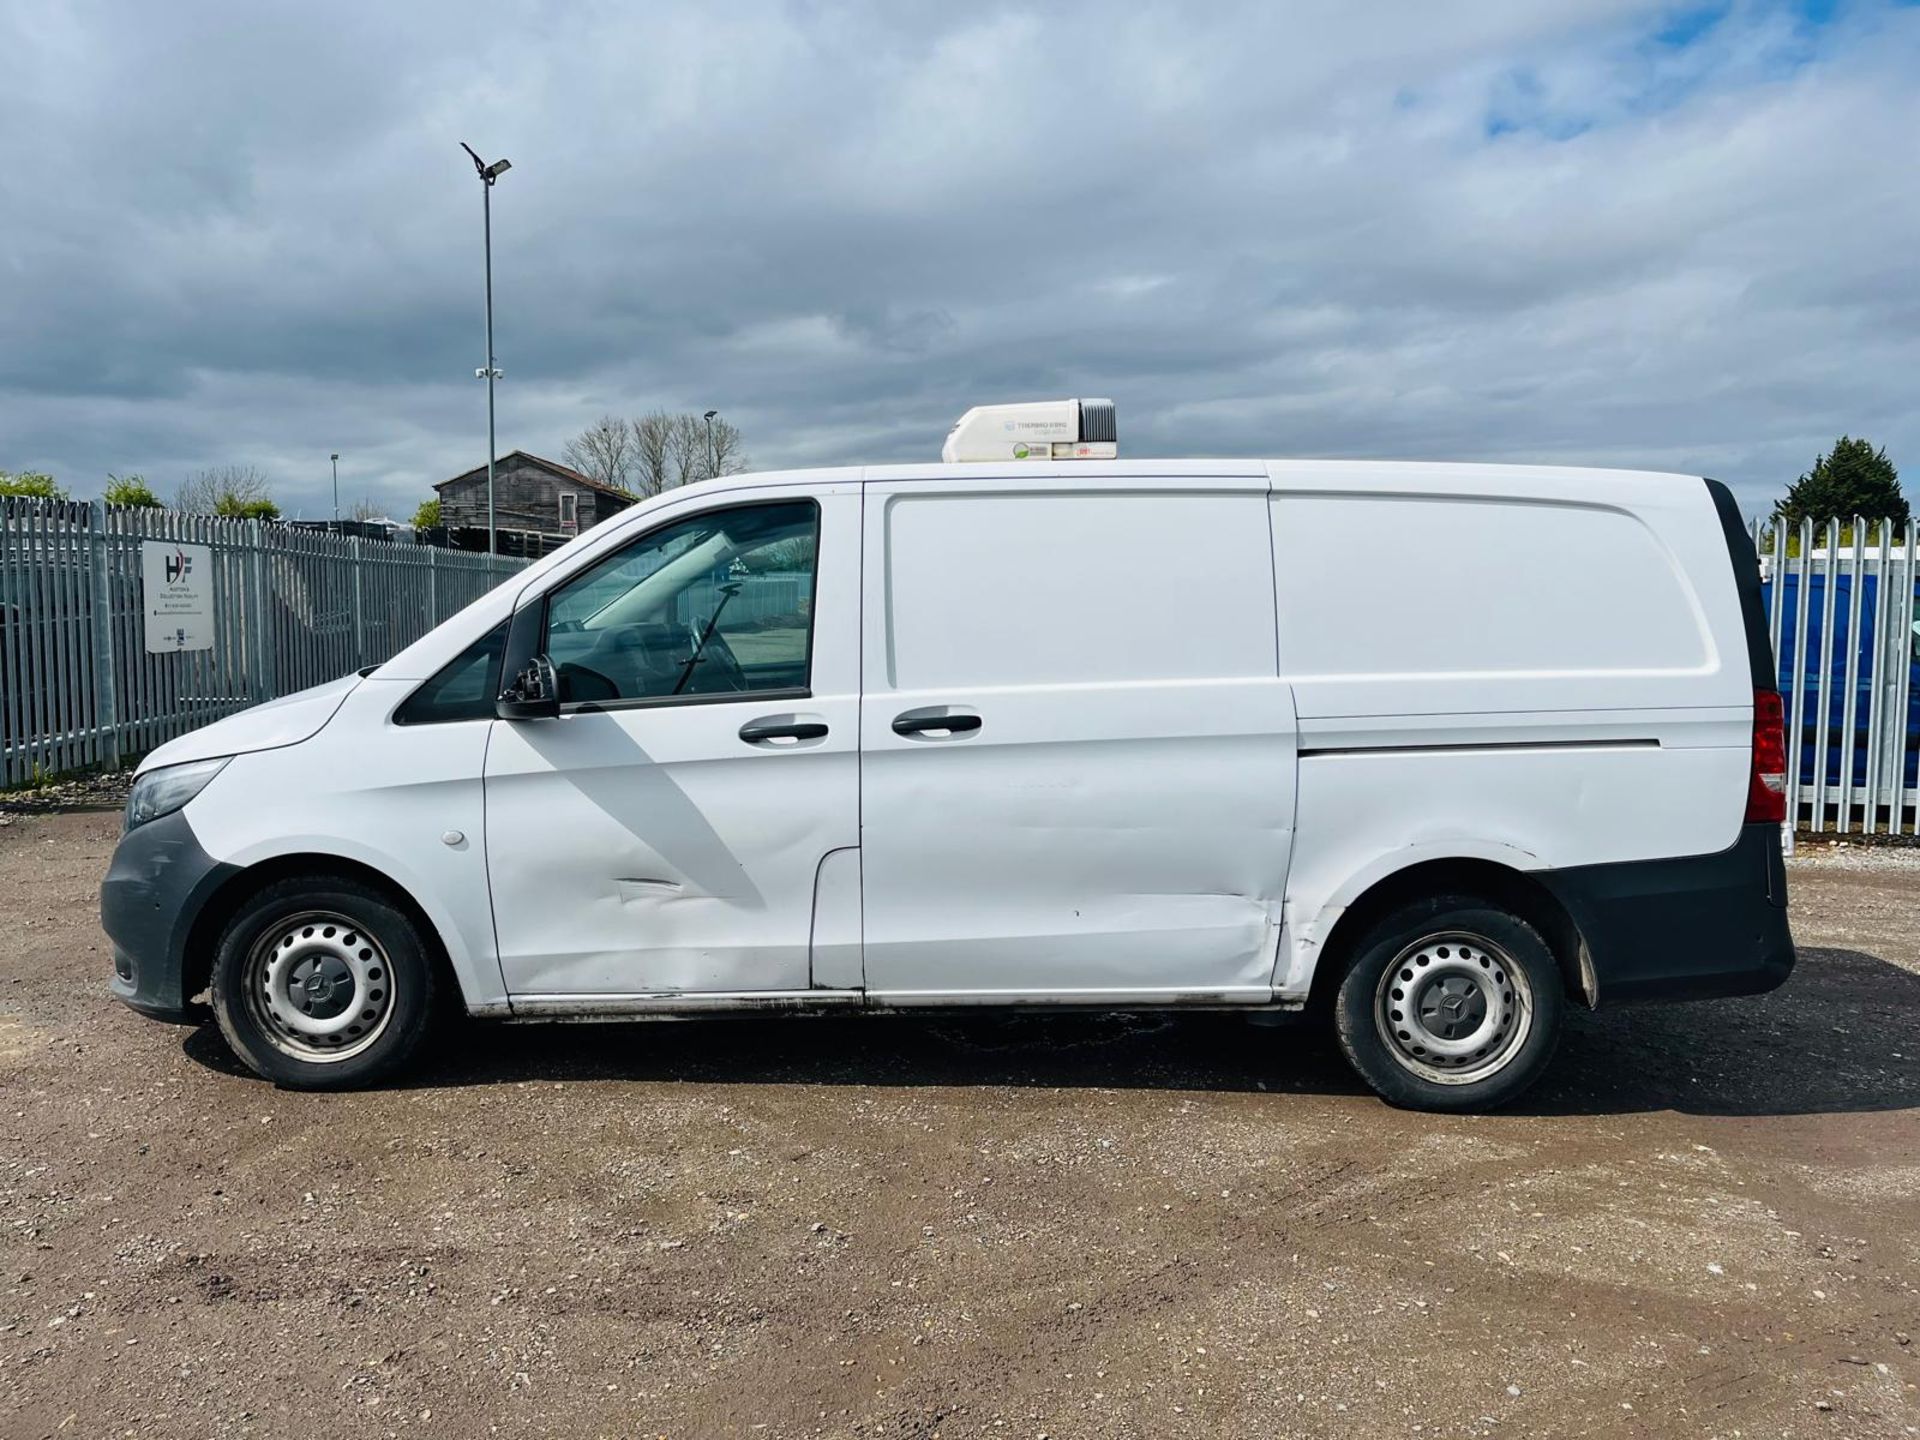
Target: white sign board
(176, 584)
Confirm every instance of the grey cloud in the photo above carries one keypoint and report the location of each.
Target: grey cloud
(1265, 230)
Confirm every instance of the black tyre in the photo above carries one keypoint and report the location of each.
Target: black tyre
(1451, 1004)
(323, 983)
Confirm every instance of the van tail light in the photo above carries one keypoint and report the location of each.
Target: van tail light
(1767, 787)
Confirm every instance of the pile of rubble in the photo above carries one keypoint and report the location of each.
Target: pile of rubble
(103, 790)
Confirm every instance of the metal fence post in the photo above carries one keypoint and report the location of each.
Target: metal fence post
(106, 700)
(259, 626)
(433, 590)
(359, 611)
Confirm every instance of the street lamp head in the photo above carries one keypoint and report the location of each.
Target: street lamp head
(488, 173)
(334, 456)
(711, 414)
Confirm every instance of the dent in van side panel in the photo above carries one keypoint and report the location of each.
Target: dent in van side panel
(1364, 816)
(384, 795)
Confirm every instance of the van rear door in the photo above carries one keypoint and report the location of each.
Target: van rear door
(1077, 760)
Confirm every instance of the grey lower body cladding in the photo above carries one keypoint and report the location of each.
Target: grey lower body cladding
(1688, 928)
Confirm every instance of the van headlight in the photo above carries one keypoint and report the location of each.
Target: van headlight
(163, 791)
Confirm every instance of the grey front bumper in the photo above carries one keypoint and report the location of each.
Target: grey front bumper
(155, 890)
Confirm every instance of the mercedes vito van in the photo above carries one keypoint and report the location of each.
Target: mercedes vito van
(1428, 751)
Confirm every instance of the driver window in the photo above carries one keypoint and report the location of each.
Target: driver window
(718, 604)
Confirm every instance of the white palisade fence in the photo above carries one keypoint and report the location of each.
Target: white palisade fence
(1840, 612)
(288, 609)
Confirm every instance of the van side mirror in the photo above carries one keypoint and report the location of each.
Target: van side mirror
(533, 694)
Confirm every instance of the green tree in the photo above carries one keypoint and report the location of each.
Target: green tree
(235, 491)
(32, 485)
(1851, 479)
(131, 491)
(428, 515)
(232, 507)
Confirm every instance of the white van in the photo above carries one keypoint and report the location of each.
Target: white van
(1431, 751)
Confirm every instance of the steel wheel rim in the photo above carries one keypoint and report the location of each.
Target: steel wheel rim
(319, 986)
(1453, 1008)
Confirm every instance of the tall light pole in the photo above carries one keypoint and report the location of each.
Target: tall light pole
(490, 372)
(335, 458)
(713, 460)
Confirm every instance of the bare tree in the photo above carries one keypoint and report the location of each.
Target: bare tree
(604, 451)
(729, 449)
(675, 448)
(687, 448)
(239, 490)
(652, 437)
(366, 508)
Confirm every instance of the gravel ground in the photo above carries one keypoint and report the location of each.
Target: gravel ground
(1706, 1222)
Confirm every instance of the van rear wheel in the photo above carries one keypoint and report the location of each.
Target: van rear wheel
(322, 983)
(1451, 1004)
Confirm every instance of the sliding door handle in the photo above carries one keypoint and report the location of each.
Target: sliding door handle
(776, 730)
(936, 722)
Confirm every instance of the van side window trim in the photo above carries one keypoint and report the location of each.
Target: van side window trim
(662, 702)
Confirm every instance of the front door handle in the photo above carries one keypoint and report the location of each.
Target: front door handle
(775, 730)
(936, 722)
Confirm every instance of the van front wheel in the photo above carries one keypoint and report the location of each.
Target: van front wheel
(322, 983)
(1451, 1004)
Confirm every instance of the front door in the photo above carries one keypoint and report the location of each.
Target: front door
(1077, 760)
(663, 835)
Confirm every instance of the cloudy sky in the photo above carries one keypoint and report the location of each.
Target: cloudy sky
(1591, 231)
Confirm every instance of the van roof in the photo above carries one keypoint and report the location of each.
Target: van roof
(1426, 472)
